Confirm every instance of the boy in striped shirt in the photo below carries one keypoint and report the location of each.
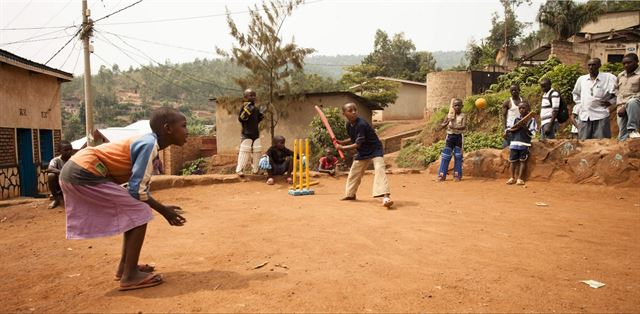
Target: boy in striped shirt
(521, 134)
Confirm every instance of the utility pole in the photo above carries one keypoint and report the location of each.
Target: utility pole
(86, 33)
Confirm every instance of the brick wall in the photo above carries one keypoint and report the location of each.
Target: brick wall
(36, 146)
(442, 86)
(57, 137)
(7, 146)
(565, 53)
(174, 157)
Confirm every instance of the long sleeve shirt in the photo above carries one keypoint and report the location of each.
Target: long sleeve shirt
(628, 86)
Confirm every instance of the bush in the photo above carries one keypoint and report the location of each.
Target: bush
(563, 79)
(197, 166)
(318, 135)
(613, 68)
(524, 76)
(418, 155)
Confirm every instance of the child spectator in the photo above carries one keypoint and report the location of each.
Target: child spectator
(521, 133)
(53, 172)
(364, 140)
(455, 124)
(250, 148)
(280, 159)
(98, 206)
(328, 162)
(575, 120)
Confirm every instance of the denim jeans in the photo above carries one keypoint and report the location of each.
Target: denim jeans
(631, 119)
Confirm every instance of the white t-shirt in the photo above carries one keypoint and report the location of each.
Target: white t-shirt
(575, 112)
(550, 103)
(513, 112)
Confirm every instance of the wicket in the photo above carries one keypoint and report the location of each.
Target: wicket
(300, 171)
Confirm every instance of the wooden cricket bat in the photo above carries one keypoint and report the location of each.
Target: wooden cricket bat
(329, 130)
(524, 120)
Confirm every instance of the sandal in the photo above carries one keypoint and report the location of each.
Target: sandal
(146, 268)
(149, 281)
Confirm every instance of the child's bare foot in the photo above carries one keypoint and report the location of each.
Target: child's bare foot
(289, 180)
(348, 198)
(511, 181)
(270, 181)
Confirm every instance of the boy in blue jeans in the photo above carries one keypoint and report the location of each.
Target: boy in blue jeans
(521, 134)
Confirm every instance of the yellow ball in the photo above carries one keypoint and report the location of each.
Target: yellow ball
(481, 103)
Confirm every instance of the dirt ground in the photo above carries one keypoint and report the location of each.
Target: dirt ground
(474, 246)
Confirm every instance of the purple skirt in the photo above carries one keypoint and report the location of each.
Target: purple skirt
(101, 210)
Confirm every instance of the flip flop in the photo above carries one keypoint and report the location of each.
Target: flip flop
(146, 268)
(149, 281)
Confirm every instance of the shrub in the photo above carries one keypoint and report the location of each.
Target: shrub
(613, 68)
(197, 166)
(318, 135)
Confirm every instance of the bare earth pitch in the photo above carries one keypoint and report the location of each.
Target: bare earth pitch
(474, 246)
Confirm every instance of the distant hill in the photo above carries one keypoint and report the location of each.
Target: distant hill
(333, 66)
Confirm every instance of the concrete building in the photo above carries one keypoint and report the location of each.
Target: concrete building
(411, 101)
(444, 85)
(30, 123)
(295, 125)
(609, 38)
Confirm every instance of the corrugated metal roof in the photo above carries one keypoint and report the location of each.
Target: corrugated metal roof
(15, 60)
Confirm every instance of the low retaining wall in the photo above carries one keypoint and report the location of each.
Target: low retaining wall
(593, 162)
(394, 143)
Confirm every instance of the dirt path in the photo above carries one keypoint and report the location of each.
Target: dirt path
(474, 246)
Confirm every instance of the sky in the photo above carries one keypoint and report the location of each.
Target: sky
(181, 31)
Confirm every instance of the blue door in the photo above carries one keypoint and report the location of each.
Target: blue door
(26, 166)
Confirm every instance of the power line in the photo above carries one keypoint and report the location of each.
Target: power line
(147, 68)
(177, 70)
(77, 59)
(33, 40)
(49, 21)
(19, 13)
(70, 53)
(117, 11)
(160, 44)
(30, 28)
(67, 43)
(190, 17)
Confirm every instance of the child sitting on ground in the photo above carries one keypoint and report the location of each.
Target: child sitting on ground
(521, 133)
(328, 162)
(53, 172)
(98, 206)
(279, 160)
(455, 123)
(363, 139)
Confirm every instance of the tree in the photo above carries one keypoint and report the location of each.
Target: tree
(566, 18)
(269, 60)
(397, 57)
(311, 83)
(621, 5)
(361, 79)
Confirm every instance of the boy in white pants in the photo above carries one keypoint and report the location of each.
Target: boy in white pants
(250, 148)
(363, 138)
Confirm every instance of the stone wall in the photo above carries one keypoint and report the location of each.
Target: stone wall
(594, 161)
(442, 86)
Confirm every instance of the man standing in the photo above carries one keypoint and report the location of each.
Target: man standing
(250, 117)
(510, 110)
(53, 172)
(549, 110)
(594, 92)
(628, 91)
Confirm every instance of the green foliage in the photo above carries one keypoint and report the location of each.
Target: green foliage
(621, 5)
(318, 135)
(524, 75)
(197, 166)
(361, 79)
(566, 18)
(312, 83)
(419, 155)
(397, 57)
(613, 68)
(563, 79)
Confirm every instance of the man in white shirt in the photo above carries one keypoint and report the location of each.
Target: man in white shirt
(549, 110)
(594, 92)
(53, 172)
